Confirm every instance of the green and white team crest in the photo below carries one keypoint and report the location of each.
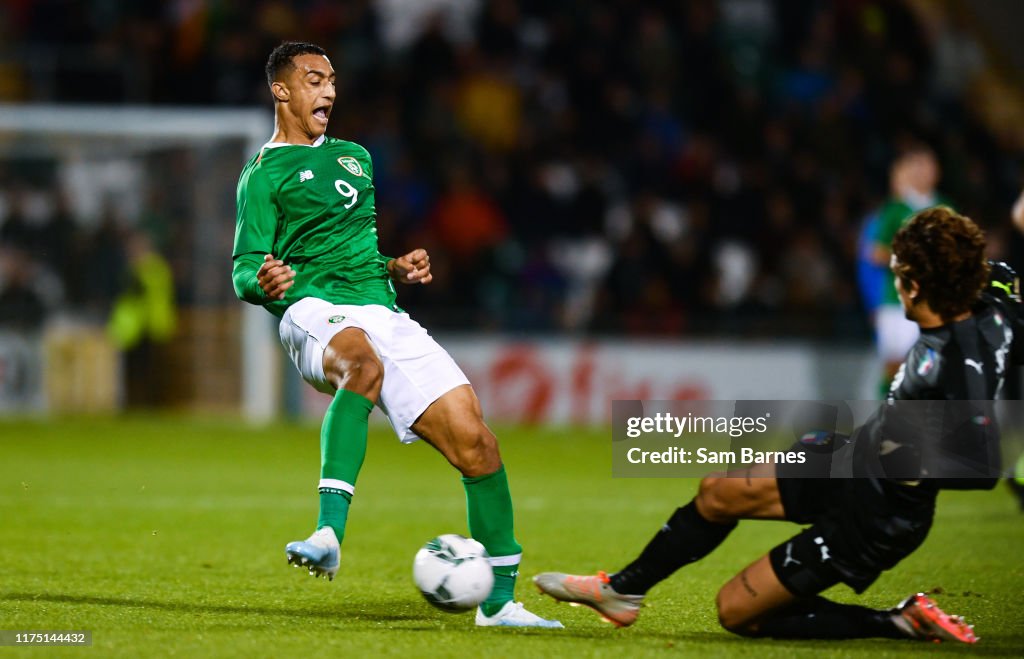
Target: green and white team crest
(351, 164)
(334, 320)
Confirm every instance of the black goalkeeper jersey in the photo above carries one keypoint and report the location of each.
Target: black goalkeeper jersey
(961, 366)
(965, 360)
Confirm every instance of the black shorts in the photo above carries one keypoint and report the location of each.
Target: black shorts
(859, 527)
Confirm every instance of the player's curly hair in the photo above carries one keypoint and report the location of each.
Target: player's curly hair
(284, 55)
(944, 252)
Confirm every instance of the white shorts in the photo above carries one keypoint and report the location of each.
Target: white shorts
(896, 334)
(417, 371)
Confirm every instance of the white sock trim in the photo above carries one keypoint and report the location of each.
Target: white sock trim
(336, 484)
(505, 561)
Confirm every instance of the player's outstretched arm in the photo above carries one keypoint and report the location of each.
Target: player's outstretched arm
(413, 268)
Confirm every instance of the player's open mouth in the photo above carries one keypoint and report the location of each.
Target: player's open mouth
(322, 113)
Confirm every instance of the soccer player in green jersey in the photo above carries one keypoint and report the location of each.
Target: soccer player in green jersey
(915, 176)
(306, 250)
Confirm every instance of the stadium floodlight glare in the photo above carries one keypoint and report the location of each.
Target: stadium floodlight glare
(63, 131)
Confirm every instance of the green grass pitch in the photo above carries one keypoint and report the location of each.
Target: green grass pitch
(165, 536)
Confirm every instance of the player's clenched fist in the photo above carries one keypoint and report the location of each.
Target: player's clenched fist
(275, 277)
(413, 268)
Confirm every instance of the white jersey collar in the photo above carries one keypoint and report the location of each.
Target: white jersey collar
(274, 145)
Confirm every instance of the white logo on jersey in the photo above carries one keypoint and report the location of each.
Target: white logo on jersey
(973, 364)
(820, 541)
(887, 446)
(1001, 353)
(305, 175)
(351, 164)
(789, 556)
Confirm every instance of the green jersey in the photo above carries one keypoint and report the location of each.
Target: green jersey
(313, 208)
(892, 217)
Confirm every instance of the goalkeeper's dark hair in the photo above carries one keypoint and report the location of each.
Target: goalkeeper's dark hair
(284, 56)
(944, 252)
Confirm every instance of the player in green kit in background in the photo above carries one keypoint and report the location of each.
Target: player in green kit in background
(306, 249)
(915, 177)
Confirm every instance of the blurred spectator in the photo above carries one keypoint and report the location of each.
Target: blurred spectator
(21, 304)
(104, 251)
(142, 319)
(22, 230)
(59, 235)
(488, 106)
(465, 220)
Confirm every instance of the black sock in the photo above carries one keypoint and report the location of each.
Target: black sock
(817, 617)
(685, 538)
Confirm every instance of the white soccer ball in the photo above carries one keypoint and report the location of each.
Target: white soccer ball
(453, 573)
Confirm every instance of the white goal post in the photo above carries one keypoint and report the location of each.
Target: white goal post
(21, 124)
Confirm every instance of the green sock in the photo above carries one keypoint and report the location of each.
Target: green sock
(342, 449)
(334, 510)
(489, 507)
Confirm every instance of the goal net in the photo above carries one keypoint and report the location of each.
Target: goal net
(77, 185)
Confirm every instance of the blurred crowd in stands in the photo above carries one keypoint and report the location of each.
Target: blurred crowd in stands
(637, 167)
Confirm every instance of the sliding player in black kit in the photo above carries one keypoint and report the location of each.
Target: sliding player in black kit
(860, 526)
